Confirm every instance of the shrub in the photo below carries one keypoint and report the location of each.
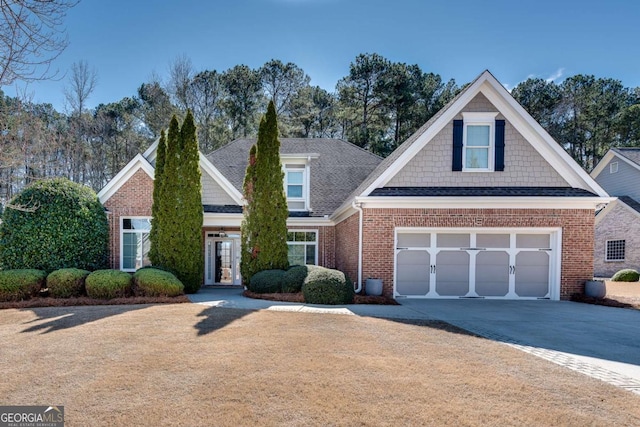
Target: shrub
(59, 224)
(67, 282)
(108, 284)
(266, 281)
(153, 282)
(16, 285)
(294, 278)
(326, 286)
(626, 275)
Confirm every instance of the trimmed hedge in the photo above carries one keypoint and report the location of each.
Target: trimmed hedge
(266, 281)
(17, 285)
(153, 282)
(108, 284)
(60, 224)
(67, 282)
(294, 278)
(326, 286)
(626, 275)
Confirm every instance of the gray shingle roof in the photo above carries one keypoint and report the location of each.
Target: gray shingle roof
(482, 192)
(336, 171)
(631, 153)
(222, 209)
(630, 202)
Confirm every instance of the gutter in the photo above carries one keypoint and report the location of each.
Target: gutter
(358, 207)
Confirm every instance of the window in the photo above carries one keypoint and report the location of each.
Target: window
(302, 247)
(478, 141)
(613, 167)
(296, 186)
(615, 250)
(134, 243)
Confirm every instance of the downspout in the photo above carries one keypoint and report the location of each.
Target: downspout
(358, 207)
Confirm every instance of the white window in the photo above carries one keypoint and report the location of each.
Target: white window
(478, 141)
(303, 247)
(615, 250)
(134, 243)
(613, 167)
(296, 186)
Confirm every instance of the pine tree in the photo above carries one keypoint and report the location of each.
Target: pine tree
(267, 218)
(156, 209)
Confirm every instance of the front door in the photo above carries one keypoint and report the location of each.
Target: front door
(221, 261)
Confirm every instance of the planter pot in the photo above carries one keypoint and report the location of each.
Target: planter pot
(373, 287)
(595, 289)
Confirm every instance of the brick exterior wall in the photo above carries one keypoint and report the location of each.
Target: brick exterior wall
(134, 198)
(346, 258)
(379, 226)
(619, 224)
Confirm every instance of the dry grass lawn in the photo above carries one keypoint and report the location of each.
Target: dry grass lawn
(191, 365)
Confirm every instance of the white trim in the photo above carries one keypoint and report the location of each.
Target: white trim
(517, 116)
(309, 222)
(151, 152)
(316, 242)
(138, 162)
(123, 231)
(555, 257)
(306, 183)
(479, 119)
(522, 202)
(607, 158)
(613, 167)
(221, 219)
(612, 206)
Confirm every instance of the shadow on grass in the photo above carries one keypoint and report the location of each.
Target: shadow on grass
(69, 317)
(214, 318)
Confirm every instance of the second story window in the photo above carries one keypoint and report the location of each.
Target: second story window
(296, 186)
(478, 141)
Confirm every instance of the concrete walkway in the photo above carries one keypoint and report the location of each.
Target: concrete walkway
(602, 342)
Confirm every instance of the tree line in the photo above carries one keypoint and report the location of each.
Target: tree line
(376, 106)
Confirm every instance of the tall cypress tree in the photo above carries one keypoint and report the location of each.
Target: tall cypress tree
(190, 268)
(271, 209)
(156, 209)
(248, 231)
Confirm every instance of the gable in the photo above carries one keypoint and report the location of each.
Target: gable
(213, 193)
(523, 165)
(138, 163)
(624, 181)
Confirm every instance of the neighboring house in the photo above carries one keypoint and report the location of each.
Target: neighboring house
(617, 236)
(479, 202)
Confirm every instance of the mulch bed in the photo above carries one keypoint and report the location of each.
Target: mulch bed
(611, 301)
(299, 298)
(66, 302)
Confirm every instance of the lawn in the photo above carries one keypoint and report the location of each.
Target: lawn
(192, 365)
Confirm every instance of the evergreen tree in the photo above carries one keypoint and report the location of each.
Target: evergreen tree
(267, 216)
(190, 265)
(176, 235)
(158, 198)
(248, 231)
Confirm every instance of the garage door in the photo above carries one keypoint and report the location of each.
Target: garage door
(487, 263)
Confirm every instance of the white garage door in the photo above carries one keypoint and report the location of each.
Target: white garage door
(483, 263)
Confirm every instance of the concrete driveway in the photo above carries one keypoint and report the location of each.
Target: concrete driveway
(602, 342)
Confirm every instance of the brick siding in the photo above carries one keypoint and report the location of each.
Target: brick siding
(577, 236)
(134, 198)
(346, 238)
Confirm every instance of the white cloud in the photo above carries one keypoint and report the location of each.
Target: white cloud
(555, 76)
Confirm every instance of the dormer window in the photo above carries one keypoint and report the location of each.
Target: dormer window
(296, 186)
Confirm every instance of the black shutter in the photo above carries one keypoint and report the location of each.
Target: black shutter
(457, 146)
(499, 159)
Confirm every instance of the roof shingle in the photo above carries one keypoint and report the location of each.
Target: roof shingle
(481, 192)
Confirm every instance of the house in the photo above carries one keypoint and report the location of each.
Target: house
(617, 234)
(480, 202)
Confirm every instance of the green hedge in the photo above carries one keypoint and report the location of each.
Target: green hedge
(108, 284)
(60, 224)
(153, 282)
(626, 275)
(67, 282)
(16, 285)
(266, 281)
(326, 286)
(294, 278)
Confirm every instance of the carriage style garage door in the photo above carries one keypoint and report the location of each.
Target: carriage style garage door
(479, 263)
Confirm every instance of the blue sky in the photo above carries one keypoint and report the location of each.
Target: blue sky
(128, 40)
